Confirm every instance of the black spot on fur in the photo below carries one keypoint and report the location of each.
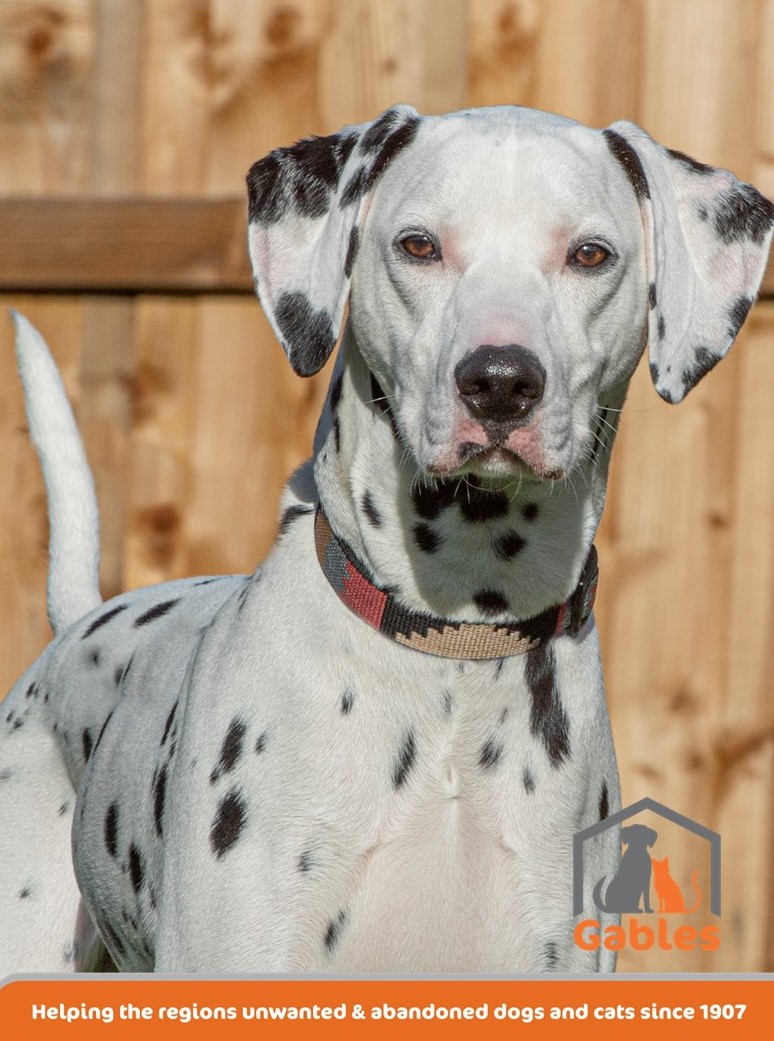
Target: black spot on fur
(136, 868)
(104, 619)
(604, 805)
(392, 139)
(551, 956)
(157, 611)
(509, 544)
(260, 744)
(102, 730)
(111, 829)
(528, 781)
(482, 505)
(661, 327)
(88, 744)
(347, 701)
(652, 295)
(737, 314)
(63, 809)
(306, 861)
(654, 373)
(307, 333)
(491, 754)
(743, 214)
(427, 539)
(336, 388)
(229, 821)
(168, 724)
(333, 932)
(530, 511)
(231, 749)
(336, 433)
(209, 581)
(291, 514)
(430, 500)
(31, 692)
(447, 703)
(490, 601)
(375, 136)
(94, 658)
(370, 510)
(548, 720)
(25, 893)
(630, 161)
(703, 361)
(405, 761)
(689, 163)
(302, 177)
(159, 796)
(352, 248)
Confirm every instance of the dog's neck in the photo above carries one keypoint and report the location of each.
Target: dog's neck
(453, 548)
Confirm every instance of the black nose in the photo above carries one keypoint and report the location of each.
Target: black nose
(500, 384)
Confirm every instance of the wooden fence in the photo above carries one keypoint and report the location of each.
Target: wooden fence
(125, 132)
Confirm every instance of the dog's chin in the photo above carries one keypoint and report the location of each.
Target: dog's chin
(495, 463)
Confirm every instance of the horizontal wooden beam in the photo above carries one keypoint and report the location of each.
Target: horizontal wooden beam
(136, 245)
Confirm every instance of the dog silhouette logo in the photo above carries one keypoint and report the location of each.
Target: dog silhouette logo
(628, 891)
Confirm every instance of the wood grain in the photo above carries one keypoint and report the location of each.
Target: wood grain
(124, 245)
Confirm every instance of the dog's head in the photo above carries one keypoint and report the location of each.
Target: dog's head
(505, 269)
(638, 836)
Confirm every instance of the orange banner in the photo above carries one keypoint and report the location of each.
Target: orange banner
(664, 1008)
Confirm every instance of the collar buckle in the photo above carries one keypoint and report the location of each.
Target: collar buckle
(582, 600)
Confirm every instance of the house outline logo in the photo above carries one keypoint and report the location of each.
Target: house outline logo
(581, 837)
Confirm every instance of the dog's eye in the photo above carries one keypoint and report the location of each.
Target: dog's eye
(421, 247)
(589, 254)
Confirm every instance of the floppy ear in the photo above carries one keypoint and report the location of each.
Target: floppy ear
(707, 238)
(305, 204)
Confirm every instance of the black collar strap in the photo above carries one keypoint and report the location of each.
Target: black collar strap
(441, 636)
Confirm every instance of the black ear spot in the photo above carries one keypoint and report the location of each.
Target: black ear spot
(385, 146)
(307, 333)
(630, 161)
(742, 213)
(738, 313)
(689, 163)
(703, 361)
(303, 177)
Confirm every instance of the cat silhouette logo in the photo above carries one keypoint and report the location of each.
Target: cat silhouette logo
(643, 883)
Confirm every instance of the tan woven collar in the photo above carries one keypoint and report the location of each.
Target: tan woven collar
(441, 636)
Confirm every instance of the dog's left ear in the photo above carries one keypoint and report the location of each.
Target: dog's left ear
(707, 238)
(305, 204)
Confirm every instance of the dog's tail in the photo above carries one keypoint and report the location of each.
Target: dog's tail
(599, 903)
(73, 572)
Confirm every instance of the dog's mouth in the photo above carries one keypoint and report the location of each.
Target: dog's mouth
(497, 459)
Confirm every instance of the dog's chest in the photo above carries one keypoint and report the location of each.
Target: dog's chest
(434, 812)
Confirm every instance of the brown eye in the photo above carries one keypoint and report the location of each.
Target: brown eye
(421, 247)
(590, 254)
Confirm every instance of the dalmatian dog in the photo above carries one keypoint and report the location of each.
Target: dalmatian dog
(372, 754)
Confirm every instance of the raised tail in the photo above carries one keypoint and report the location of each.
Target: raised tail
(695, 884)
(597, 895)
(73, 572)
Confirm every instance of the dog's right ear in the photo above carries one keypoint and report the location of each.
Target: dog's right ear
(305, 204)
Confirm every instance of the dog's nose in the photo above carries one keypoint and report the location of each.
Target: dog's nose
(500, 384)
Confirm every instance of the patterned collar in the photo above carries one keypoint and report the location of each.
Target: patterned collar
(441, 636)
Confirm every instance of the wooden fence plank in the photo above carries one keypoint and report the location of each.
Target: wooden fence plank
(128, 245)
